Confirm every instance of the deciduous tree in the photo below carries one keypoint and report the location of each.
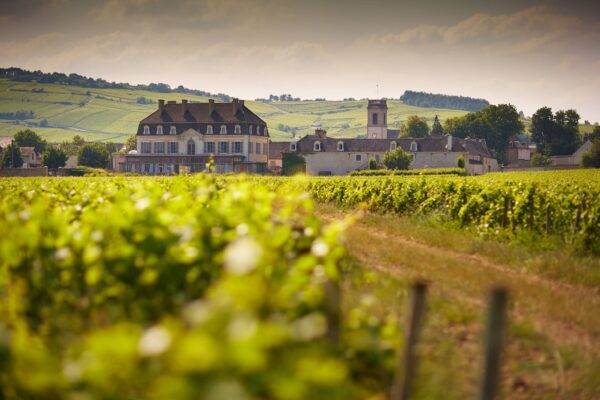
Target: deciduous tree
(11, 156)
(28, 138)
(93, 155)
(415, 127)
(54, 158)
(397, 159)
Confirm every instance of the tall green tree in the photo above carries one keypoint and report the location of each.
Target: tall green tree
(415, 127)
(11, 156)
(28, 138)
(397, 159)
(131, 143)
(93, 155)
(54, 158)
(436, 129)
(555, 134)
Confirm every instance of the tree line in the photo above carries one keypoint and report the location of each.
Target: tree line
(431, 100)
(22, 75)
(94, 155)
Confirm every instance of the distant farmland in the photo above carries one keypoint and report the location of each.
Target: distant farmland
(111, 115)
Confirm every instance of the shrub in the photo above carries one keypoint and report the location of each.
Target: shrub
(460, 163)
(373, 164)
(397, 159)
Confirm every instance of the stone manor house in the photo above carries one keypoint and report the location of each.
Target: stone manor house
(183, 137)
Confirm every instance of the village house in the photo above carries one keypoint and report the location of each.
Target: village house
(31, 158)
(184, 137)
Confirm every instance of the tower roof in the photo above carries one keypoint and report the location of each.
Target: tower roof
(377, 103)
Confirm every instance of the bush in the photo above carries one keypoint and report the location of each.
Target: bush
(410, 172)
(397, 159)
(540, 160)
(373, 164)
(591, 159)
(93, 155)
(460, 163)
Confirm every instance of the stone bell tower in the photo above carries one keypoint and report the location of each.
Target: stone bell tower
(377, 119)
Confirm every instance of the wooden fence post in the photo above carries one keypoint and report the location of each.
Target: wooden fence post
(406, 367)
(493, 343)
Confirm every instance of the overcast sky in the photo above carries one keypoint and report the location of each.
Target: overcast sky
(528, 53)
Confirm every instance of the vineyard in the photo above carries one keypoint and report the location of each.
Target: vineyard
(565, 203)
(228, 287)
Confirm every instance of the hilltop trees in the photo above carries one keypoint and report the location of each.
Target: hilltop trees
(436, 129)
(422, 99)
(29, 138)
(555, 134)
(11, 156)
(415, 127)
(497, 124)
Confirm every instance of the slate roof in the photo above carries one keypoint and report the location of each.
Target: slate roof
(428, 144)
(196, 115)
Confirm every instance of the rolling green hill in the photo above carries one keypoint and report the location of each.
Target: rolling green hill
(111, 115)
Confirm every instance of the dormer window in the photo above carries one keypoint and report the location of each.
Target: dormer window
(317, 146)
(223, 130)
(146, 130)
(209, 130)
(293, 146)
(237, 130)
(266, 132)
(250, 129)
(413, 147)
(393, 146)
(340, 146)
(159, 130)
(173, 131)
(258, 130)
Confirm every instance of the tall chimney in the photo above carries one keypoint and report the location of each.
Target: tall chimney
(449, 145)
(161, 105)
(241, 104)
(235, 105)
(211, 106)
(184, 106)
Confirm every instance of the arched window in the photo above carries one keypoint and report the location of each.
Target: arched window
(173, 130)
(209, 130)
(258, 130)
(340, 146)
(191, 147)
(223, 129)
(393, 146)
(250, 129)
(374, 119)
(237, 130)
(146, 130)
(414, 147)
(317, 146)
(159, 130)
(293, 146)
(266, 132)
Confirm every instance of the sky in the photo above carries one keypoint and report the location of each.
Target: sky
(527, 53)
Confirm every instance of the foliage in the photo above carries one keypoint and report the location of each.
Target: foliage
(131, 143)
(28, 138)
(415, 127)
(186, 287)
(497, 124)
(557, 134)
(397, 159)
(540, 160)
(54, 157)
(591, 159)
(563, 203)
(460, 163)
(17, 115)
(292, 164)
(372, 164)
(144, 100)
(593, 135)
(11, 156)
(436, 129)
(410, 172)
(93, 155)
(422, 99)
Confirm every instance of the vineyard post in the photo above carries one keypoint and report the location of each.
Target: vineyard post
(333, 310)
(406, 364)
(493, 343)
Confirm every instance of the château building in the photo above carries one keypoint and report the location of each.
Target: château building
(184, 137)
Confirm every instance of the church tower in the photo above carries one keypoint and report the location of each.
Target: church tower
(377, 119)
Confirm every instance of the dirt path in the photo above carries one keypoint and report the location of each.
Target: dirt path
(567, 314)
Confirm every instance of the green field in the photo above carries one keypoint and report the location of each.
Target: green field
(111, 115)
(244, 287)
